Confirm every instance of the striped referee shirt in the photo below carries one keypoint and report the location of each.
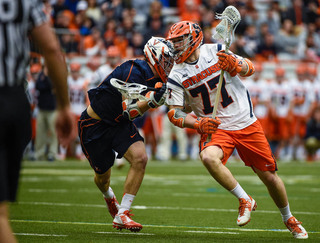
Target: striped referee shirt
(17, 18)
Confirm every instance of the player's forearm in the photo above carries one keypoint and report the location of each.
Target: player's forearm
(179, 118)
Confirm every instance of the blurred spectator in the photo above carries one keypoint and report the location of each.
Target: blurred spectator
(267, 50)
(58, 6)
(142, 7)
(112, 61)
(69, 45)
(191, 11)
(72, 5)
(289, 38)
(137, 45)
(312, 138)
(251, 41)
(35, 70)
(93, 10)
(46, 139)
(110, 32)
(93, 45)
(296, 13)
(121, 42)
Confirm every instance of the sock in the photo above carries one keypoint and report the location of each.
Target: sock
(109, 193)
(126, 202)
(239, 192)
(285, 213)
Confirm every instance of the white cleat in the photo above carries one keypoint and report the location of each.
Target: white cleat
(245, 209)
(296, 229)
(124, 221)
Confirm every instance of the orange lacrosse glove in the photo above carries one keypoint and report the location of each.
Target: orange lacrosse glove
(229, 63)
(206, 125)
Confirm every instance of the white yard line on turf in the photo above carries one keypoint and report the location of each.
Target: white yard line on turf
(159, 208)
(154, 226)
(122, 233)
(211, 232)
(47, 235)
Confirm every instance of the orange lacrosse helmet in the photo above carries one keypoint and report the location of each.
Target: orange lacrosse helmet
(159, 53)
(192, 39)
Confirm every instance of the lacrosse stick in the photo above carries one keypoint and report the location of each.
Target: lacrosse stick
(230, 18)
(131, 90)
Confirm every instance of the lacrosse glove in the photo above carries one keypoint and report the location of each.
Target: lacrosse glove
(206, 125)
(131, 110)
(229, 63)
(157, 98)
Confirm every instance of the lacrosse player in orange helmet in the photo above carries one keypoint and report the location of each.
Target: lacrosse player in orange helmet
(106, 128)
(194, 78)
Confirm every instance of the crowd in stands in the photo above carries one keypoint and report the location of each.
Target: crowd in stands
(97, 35)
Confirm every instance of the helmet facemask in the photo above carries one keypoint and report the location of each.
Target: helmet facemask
(159, 53)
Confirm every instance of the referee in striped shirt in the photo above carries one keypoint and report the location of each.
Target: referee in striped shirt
(18, 20)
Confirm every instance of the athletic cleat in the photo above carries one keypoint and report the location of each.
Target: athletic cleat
(245, 208)
(124, 221)
(296, 228)
(113, 206)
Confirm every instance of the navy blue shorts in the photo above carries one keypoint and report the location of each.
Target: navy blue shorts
(100, 141)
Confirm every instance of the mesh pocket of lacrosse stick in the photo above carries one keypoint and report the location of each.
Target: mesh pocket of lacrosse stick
(230, 18)
(131, 90)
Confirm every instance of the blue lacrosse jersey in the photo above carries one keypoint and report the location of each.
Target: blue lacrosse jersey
(106, 100)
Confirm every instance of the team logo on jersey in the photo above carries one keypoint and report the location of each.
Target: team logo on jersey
(200, 76)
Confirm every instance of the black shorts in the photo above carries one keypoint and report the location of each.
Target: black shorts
(100, 141)
(15, 133)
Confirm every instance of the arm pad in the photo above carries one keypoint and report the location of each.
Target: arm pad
(251, 68)
(176, 117)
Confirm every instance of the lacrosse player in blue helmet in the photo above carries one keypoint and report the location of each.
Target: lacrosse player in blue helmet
(106, 128)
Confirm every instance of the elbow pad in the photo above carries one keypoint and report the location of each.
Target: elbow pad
(176, 117)
(250, 70)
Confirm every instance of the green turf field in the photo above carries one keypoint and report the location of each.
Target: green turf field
(178, 202)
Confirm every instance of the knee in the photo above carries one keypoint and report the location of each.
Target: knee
(270, 178)
(139, 161)
(103, 179)
(210, 160)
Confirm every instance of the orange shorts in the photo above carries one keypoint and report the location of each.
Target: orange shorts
(280, 129)
(250, 142)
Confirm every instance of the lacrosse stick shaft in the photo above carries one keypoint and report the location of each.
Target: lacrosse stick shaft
(218, 94)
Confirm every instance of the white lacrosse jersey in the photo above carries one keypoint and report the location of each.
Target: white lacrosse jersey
(281, 98)
(196, 84)
(260, 92)
(304, 91)
(78, 94)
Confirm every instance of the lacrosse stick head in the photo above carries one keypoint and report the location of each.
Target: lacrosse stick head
(129, 90)
(159, 53)
(186, 37)
(230, 18)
